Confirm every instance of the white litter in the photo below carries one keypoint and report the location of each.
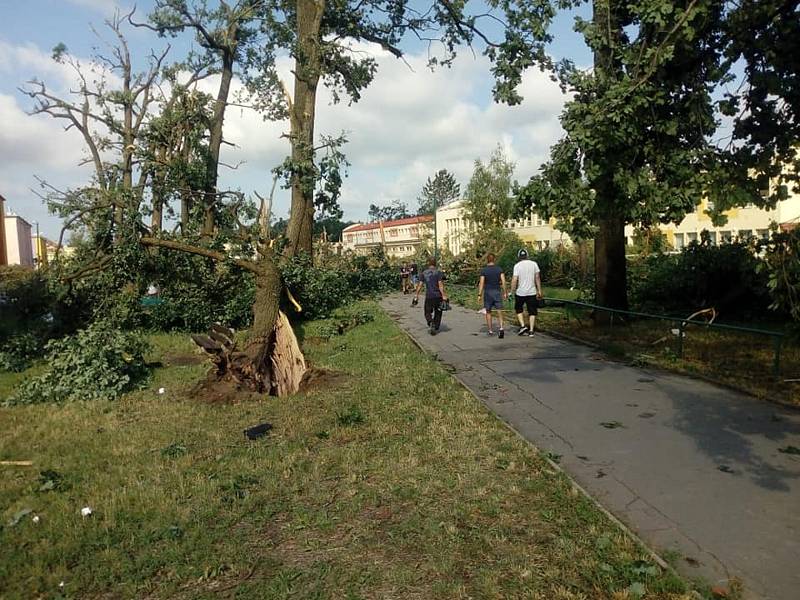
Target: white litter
(677, 332)
(482, 311)
(86, 511)
(35, 518)
(61, 585)
(161, 390)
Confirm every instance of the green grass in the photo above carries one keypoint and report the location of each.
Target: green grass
(392, 483)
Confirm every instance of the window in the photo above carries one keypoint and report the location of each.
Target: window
(726, 236)
(691, 237)
(712, 237)
(763, 234)
(679, 243)
(745, 234)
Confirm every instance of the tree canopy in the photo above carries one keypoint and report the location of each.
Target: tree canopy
(440, 190)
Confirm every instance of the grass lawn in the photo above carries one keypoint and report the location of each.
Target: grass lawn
(393, 482)
(741, 360)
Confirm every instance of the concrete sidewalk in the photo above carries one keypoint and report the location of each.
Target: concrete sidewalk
(690, 467)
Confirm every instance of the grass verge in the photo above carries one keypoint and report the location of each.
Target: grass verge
(395, 483)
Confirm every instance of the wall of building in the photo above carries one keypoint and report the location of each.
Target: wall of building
(3, 255)
(401, 240)
(455, 231)
(19, 248)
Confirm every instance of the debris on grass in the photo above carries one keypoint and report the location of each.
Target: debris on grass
(725, 469)
(52, 481)
(36, 519)
(18, 516)
(790, 450)
(253, 433)
(174, 450)
(86, 511)
(350, 416)
(16, 463)
(612, 424)
(161, 390)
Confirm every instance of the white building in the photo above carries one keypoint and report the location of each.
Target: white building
(399, 238)
(455, 230)
(19, 249)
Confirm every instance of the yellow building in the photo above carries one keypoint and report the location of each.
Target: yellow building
(399, 238)
(455, 230)
(742, 224)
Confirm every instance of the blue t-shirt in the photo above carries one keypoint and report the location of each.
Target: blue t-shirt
(491, 277)
(431, 278)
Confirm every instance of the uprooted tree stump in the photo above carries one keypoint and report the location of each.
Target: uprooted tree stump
(284, 374)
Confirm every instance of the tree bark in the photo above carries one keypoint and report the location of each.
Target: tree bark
(609, 244)
(302, 111)
(610, 267)
(215, 141)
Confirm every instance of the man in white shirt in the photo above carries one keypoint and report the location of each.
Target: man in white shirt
(526, 285)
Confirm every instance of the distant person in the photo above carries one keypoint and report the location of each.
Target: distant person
(405, 273)
(526, 285)
(434, 295)
(492, 290)
(414, 274)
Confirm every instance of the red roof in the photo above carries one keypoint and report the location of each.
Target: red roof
(397, 223)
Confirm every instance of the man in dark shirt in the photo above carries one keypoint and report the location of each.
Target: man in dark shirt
(434, 295)
(492, 288)
(405, 273)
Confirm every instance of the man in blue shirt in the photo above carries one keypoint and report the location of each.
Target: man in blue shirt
(492, 288)
(434, 295)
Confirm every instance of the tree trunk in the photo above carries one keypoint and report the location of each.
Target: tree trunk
(610, 267)
(302, 112)
(215, 143)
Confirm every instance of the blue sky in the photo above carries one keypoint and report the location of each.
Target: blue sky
(409, 124)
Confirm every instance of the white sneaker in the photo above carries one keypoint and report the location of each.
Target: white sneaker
(522, 330)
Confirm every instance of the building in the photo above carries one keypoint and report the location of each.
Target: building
(43, 249)
(399, 238)
(455, 231)
(19, 249)
(3, 256)
(742, 224)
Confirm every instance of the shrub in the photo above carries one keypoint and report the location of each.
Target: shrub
(97, 363)
(320, 289)
(702, 275)
(19, 351)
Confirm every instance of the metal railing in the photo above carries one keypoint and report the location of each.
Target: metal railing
(778, 337)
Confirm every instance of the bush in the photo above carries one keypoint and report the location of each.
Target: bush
(320, 289)
(725, 277)
(19, 351)
(97, 363)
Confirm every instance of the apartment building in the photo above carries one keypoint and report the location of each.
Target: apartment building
(455, 230)
(399, 238)
(18, 243)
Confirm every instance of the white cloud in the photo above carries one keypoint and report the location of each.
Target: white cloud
(409, 124)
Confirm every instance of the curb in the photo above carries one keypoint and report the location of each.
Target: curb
(555, 466)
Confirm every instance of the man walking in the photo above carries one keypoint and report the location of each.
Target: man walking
(526, 285)
(405, 273)
(434, 295)
(492, 288)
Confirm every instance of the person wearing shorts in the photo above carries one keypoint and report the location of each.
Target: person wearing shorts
(526, 285)
(405, 272)
(492, 289)
(434, 295)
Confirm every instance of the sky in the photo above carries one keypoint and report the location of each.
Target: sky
(410, 122)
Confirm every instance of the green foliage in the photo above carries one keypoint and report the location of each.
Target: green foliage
(440, 190)
(726, 277)
(649, 240)
(18, 352)
(321, 288)
(781, 266)
(391, 212)
(97, 363)
(488, 200)
(564, 266)
(504, 244)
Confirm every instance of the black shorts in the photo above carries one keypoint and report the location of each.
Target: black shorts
(529, 302)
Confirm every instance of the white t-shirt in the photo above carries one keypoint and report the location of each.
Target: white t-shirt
(525, 271)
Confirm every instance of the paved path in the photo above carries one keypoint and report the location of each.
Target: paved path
(692, 467)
